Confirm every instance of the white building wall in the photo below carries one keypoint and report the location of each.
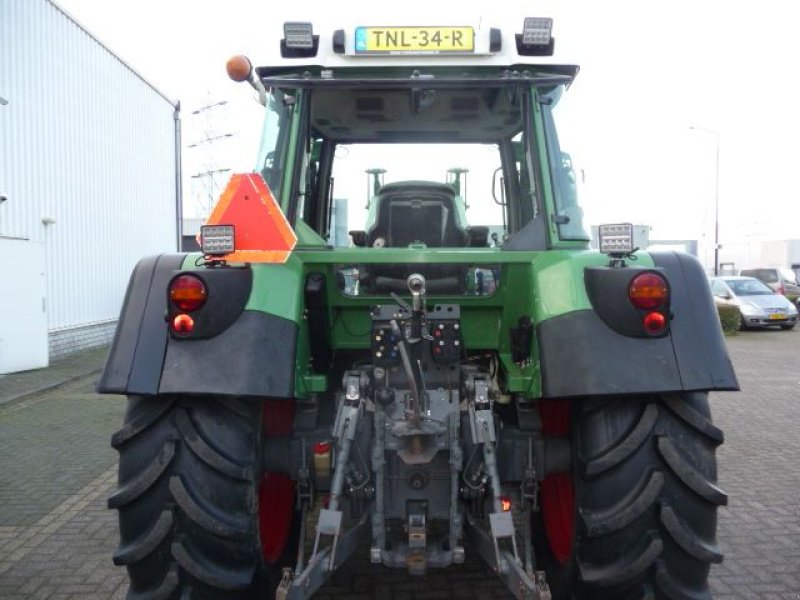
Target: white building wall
(87, 162)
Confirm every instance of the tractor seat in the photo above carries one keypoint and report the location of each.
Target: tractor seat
(423, 212)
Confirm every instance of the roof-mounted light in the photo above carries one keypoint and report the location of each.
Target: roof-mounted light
(616, 239)
(217, 240)
(536, 38)
(299, 40)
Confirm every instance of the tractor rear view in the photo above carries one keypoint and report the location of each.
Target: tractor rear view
(438, 366)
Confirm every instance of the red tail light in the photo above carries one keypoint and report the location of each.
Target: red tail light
(182, 324)
(188, 292)
(505, 503)
(648, 291)
(655, 322)
(781, 290)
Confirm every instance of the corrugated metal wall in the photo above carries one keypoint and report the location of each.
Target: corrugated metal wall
(87, 143)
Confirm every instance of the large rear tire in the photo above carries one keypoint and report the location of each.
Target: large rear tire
(643, 519)
(188, 499)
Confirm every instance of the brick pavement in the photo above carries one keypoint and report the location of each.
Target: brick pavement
(63, 549)
(759, 467)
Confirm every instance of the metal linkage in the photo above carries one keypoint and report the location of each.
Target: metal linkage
(523, 581)
(325, 560)
(379, 468)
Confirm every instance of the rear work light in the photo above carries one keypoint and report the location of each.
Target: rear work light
(616, 239)
(188, 292)
(536, 38)
(299, 40)
(648, 291)
(217, 240)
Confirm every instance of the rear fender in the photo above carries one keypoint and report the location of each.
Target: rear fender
(232, 351)
(581, 355)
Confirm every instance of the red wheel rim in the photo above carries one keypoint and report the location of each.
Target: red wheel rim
(277, 418)
(276, 490)
(558, 491)
(275, 513)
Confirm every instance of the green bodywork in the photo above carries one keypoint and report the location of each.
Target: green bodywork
(538, 284)
(541, 285)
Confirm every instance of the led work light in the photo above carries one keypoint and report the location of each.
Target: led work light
(616, 239)
(536, 38)
(298, 35)
(537, 31)
(217, 240)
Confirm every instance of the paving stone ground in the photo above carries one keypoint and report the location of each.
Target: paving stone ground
(56, 470)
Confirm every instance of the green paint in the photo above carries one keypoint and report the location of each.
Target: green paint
(306, 236)
(277, 289)
(291, 151)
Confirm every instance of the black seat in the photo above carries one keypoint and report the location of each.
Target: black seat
(411, 212)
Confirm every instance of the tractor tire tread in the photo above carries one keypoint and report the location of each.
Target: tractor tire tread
(203, 516)
(137, 486)
(690, 476)
(141, 547)
(213, 575)
(186, 509)
(628, 509)
(164, 591)
(141, 422)
(694, 418)
(631, 565)
(627, 446)
(646, 500)
(205, 452)
(690, 542)
(671, 589)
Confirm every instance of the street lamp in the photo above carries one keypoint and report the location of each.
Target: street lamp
(714, 133)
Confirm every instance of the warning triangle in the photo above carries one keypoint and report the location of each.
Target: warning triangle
(261, 232)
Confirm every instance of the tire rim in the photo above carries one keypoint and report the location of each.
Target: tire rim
(558, 490)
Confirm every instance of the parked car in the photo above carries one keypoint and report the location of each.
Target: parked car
(780, 279)
(758, 303)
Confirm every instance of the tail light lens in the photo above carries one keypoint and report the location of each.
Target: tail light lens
(781, 290)
(182, 324)
(648, 291)
(188, 292)
(655, 323)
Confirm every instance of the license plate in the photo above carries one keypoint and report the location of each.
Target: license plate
(777, 316)
(414, 40)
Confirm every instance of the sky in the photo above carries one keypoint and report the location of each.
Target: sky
(649, 71)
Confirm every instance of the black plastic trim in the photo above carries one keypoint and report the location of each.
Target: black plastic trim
(495, 40)
(287, 52)
(253, 357)
(607, 289)
(317, 313)
(580, 355)
(696, 333)
(134, 363)
(338, 41)
(535, 50)
(228, 290)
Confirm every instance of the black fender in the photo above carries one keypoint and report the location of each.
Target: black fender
(580, 355)
(233, 352)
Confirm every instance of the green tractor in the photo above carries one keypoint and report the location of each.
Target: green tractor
(416, 374)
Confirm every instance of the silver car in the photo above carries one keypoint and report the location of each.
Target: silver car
(759, 305)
